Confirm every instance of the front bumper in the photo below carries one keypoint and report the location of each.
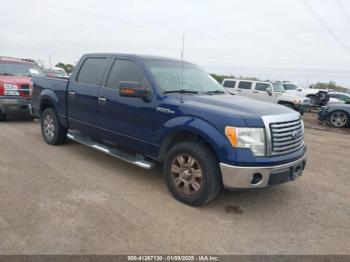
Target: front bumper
(322, 114)
(258, 177)
(14, 104)
(302, 108)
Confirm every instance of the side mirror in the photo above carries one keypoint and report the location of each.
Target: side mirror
(269, 91)
(134, 89)
(299, 89)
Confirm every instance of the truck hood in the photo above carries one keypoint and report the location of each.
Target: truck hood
(243, 106)
(228, 109)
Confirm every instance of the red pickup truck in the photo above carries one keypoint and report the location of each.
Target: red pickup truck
(15, 84)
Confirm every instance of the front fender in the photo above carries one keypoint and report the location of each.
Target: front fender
(215, 138)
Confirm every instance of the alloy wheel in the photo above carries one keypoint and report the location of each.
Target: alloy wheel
(186, 174)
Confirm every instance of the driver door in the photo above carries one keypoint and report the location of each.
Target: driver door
(125, 121)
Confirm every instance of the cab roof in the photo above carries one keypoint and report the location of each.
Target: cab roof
(136, 56)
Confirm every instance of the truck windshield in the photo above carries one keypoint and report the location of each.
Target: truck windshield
(278, 87)
(168, 75)
(20, 69)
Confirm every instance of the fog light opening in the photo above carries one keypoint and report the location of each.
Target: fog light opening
(256, 179)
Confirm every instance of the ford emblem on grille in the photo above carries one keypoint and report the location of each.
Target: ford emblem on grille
(297, 134)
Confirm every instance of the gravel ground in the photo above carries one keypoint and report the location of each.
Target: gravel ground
(71, 199)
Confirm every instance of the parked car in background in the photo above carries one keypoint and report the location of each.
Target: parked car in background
(272, 92)
(337, 115)
(317, 97)
(15, 84)
(338, 98)
(146, 109)
(56, 72)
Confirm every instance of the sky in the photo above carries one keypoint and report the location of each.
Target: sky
(297, 40)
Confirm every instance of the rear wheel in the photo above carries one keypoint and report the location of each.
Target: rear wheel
(338, 119)
(53, 132)
(3, 116)
(192, 173)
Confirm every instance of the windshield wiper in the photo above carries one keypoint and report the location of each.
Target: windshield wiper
(215, 92)
(7, 74)
(181, 91)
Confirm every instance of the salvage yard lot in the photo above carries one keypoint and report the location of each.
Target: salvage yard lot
(71, 199)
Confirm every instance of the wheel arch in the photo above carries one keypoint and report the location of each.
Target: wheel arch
(189, 129)
(48, 99)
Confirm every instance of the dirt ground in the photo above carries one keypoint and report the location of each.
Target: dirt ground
(71, 199)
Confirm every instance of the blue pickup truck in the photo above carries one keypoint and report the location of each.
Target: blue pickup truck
(147, 110)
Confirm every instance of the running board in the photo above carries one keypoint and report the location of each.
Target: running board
(137, 160)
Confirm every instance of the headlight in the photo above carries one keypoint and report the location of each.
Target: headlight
(252, 138)
(10, 90)
(298, 101)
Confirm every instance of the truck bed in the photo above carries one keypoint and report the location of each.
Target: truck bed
(46, 86)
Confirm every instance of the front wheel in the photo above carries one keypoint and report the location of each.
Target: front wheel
(313, 100)
(338, 119)
(53, 132)
(192, 173)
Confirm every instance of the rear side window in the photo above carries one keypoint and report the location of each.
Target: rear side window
(124, 70)
(289, 87)
(261, 86)
(245, 85)
(92, 71)
(229, 83)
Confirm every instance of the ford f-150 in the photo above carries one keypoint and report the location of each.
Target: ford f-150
(147, 109)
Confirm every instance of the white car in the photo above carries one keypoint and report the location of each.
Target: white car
(294, 88)
(338, 98)
(266, 91)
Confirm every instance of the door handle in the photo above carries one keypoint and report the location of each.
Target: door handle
(71, 93)
(102, 99)
(239, 90)
(255, 92)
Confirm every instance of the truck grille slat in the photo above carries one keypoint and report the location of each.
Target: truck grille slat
(282, 130)
(288, 142)
(286, 137)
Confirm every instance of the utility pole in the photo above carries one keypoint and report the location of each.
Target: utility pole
(50, 61)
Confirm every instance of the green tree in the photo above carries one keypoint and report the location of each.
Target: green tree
(66, 67)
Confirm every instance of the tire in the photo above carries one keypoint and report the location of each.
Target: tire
(51, 129)
(338, 119)
(3, 116)
(198, 184)
(313, 100)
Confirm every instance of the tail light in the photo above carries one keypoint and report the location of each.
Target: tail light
(1, 90)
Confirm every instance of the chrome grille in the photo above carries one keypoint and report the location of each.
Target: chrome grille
(286, 137)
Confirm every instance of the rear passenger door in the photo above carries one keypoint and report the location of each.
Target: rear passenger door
(260, 92)
(126, 121)
(244, 88)
(83, 92)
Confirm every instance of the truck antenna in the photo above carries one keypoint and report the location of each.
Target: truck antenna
(182, 63)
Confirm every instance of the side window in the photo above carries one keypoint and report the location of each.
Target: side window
(124, 70)
(92, 71)
(245, 85)
(229, 84)
(286, 87)
(261, 86)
